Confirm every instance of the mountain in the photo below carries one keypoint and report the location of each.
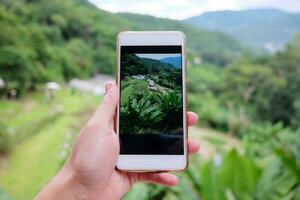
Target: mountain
(136, 65)
(261, 28)
(211, 46)
(46, 40)
(175, 61)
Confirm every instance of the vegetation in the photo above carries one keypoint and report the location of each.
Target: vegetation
(41, 135)
(46, 40)
(255, 101)
(151, 93)
(249, 91)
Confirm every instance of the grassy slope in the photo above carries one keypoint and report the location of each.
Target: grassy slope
(132, 85)
(33, 162)
(36, 159)
(213, 142)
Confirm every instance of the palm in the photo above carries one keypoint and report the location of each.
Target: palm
(119, 184)
(100, 168)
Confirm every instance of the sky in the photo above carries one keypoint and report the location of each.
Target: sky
(181, 9)
(158, 56)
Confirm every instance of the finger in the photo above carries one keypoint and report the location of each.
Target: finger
(193, 146)
(192, 118)
(106, 111)
(166, 179)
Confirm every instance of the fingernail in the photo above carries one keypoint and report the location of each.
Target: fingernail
(107, 87)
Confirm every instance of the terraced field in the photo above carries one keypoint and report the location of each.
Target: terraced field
(43, 133)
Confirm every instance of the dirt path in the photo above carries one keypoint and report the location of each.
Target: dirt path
(213, 142)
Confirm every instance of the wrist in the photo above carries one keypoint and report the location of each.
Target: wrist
(64, 186)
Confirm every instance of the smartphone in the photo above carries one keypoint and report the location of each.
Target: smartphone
(151, 115)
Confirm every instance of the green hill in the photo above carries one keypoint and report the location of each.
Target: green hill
(262, 28)
(45, 40)
(137, 65)
(212, 46)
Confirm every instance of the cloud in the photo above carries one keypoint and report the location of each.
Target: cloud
(180, 9)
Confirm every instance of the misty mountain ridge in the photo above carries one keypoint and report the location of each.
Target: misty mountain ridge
(268, 29)
(211, 46)
(174, 61)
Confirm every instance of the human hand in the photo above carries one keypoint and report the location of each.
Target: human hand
(90, 172)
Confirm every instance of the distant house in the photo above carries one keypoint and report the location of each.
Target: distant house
(50, 88)
(2, 83)
(151, 85)
(139, 77)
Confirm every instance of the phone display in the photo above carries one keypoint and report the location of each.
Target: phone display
(151, 100)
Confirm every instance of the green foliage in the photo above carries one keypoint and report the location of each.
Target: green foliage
(257, 100)
(204, 83)
(22, 120)
(283, 104)
(211, 189)
(248, 82)
(277, 183)
(248, 91)
(280, 148)
(150, 107)
(238, 173)
(236, 177)
(5, 139)
(145, 66)
(42, 134)
(47, 40)
(212, 113)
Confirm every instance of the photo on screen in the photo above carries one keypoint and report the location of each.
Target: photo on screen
(151, 102)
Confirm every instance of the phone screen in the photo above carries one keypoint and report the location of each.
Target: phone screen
(151, 100)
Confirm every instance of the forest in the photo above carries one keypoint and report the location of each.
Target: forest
(241, 97)
(75, 39)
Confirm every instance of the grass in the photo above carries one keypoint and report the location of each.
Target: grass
(213, 142)
(45, 129)
(35, 159)
(130, 87)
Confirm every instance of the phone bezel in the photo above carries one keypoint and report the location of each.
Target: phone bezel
(148, 163)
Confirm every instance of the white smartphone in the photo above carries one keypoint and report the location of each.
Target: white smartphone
(151, 116)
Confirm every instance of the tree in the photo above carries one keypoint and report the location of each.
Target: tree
(246, 91)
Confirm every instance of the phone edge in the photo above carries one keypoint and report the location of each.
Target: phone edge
(184, 82)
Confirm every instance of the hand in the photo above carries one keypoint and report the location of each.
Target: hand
(90, 171)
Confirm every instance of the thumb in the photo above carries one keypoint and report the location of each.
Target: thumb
(106, 111)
